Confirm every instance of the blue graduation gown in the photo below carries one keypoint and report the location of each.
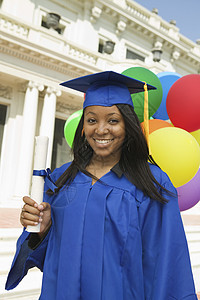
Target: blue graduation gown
(109, 242)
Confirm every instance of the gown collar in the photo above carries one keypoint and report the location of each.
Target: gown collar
(117, 170)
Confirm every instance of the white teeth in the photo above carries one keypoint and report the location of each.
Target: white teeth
(103, 141)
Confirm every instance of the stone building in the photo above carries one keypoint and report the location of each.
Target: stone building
(43, 43)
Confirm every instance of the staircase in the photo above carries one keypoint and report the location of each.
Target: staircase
(29, 287)
(193, 238)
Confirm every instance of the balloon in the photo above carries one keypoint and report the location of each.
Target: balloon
(155, 96)
(196, 135)
(71, 126)
(155, 124)
(177, 153)
(183, 105)
(167, 79)
(189, 193)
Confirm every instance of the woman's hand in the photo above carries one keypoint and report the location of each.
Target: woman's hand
(33, 213)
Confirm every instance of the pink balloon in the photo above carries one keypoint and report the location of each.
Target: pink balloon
(189, 193)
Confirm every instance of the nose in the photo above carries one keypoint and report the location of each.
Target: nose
(102, 129)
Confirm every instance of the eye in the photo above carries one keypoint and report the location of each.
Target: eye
(91, 121)
(113, 121)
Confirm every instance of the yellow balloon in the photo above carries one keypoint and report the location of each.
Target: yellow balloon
(177, 153)
(196, 135)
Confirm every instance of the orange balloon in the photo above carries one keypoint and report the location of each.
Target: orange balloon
(155, 124)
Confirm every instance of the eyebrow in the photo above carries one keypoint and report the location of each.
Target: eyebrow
(110, 114)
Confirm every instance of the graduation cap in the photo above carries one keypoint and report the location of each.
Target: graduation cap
(109, 88)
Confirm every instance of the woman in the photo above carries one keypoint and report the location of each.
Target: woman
(111, 229)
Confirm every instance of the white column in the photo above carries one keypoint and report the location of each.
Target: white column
(24, 171)
(48, 119)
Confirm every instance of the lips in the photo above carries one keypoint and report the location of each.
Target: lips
(103, 141)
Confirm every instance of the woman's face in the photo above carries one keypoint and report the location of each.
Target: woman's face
(104, 130)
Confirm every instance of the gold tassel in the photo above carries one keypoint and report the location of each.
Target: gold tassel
(146, 117)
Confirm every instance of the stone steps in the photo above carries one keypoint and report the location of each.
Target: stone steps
(29, 287)
(193, 238)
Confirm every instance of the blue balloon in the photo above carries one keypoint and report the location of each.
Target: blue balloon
(167, 79)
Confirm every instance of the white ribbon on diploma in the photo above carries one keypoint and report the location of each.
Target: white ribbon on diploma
(37, 188)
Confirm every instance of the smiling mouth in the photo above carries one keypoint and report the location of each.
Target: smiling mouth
(103, 142)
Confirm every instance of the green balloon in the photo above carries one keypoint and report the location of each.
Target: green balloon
(71, 125)
(154, 96)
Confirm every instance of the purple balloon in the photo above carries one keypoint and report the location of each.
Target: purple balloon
(189, 193)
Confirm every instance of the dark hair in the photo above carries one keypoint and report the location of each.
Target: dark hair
(133, 162)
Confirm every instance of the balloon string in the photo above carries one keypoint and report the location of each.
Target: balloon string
(146, 117)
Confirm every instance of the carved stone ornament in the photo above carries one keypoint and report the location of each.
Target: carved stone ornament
(51, 90)
(109, 47)
(33, 84)
(175, 55)
(95, 13)
(5, 92)
(66, 108)
(52, 20)
(158, 45)
(121, 26)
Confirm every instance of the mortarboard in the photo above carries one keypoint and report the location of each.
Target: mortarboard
(107, 88)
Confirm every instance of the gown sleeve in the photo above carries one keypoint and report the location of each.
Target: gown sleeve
(29, 255)
(166, 261)
(25, 258)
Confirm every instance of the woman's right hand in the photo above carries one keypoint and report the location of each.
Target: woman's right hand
(33, 213)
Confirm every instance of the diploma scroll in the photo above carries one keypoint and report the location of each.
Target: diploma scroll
(37, 188)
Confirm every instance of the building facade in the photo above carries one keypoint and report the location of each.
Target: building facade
(46, 42)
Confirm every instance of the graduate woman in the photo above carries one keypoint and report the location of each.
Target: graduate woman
(110, 225)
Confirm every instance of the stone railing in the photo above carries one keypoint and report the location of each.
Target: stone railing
(137, 12)
(43, 39)
(78, 53)
(164, 28)
(60, 47)
(14, 27)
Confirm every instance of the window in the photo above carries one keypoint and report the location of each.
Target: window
(132, 55)
(61, 151)
(3, 111)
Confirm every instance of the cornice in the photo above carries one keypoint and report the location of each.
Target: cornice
(149, 24)
(15, 41)
(73, 60)
(68, 66)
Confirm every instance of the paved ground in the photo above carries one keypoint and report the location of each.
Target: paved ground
(191, 219)
(9, 218)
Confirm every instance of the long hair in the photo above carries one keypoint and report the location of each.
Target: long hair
(133, 161)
